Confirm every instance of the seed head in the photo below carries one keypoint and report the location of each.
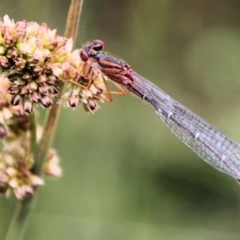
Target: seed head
(36, 61)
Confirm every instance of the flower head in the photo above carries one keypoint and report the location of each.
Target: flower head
(34, 63)
(37, 61)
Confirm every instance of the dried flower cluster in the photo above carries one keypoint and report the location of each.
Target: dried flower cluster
(34, 63)
(16, 159)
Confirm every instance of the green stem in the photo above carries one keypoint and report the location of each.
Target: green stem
(13, 229)
(48, 132)
(23, 208)
(52, 118)
(19, 220)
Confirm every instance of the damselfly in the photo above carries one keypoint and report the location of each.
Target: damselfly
(92, 73)
(205, 140)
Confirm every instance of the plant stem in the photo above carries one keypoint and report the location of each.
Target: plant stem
(24, 208)
(53, 115)
(19, 220)
(73, 19)
(13, 229)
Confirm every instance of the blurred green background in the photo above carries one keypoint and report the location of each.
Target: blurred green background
(126, 176)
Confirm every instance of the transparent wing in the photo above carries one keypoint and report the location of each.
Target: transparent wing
(206, 141)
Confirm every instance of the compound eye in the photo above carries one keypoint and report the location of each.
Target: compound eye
(98, 45)
(84, 56)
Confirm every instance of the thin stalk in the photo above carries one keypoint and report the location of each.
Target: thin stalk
(13, 229)
(24, 208)
(53, 115)
(73, 19)
(18, 222)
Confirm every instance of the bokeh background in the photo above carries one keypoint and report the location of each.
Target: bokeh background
(126, 176)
